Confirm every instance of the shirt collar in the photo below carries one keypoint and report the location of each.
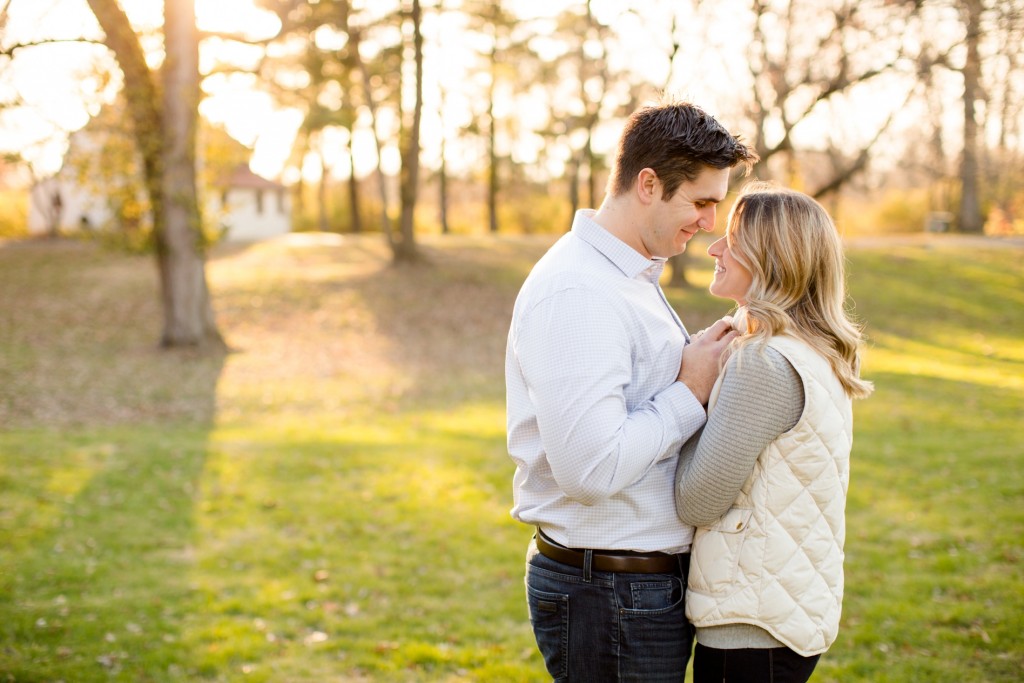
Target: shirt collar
(627, 259)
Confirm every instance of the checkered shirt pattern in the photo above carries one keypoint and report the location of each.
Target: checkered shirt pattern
(596, 416)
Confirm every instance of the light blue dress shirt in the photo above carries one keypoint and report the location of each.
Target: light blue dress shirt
(596, 416)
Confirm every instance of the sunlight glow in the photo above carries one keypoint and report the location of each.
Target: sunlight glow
(897, 355)
(65, 84)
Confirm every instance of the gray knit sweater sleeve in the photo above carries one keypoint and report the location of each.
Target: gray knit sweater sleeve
(760, 398)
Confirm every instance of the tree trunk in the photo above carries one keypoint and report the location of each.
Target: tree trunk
(321, 192)
(492, 149)
(677, 270)
(165, 135)
(442, 199)
(442, 171)
(355, 219)
(405, 249)
(55, 214)
(299, 193)
(574, 186)
(677, 263)
(591, 171)
(371, 104)
(971, 219)
(188, 315)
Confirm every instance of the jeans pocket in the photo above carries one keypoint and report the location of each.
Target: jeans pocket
(549, 616)
(654, 597)
(654, 633)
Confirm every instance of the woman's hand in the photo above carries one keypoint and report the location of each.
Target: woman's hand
(701, 360)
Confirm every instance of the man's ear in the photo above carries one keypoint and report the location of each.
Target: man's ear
(647, 185)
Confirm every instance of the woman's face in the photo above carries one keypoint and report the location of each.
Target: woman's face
(732, 279)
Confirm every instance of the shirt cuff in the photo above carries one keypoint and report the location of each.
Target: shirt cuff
(686, 413)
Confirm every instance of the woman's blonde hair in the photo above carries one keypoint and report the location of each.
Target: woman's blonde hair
(794, 253)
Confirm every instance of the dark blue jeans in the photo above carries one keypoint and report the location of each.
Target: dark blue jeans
(593, 627)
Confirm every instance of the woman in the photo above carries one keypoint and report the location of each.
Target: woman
(765, 482)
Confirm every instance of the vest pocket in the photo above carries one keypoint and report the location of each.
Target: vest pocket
(715, 555)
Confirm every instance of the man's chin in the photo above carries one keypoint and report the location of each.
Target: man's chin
(686, 240)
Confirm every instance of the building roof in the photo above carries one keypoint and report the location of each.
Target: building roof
(242, 176)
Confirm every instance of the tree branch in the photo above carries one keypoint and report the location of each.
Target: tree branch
(11, 49)
(239, 38)
(863, 157)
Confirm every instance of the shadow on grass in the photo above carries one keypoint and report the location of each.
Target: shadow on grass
(105, 441)
(102, 591)
(294, 541)
(382, 550)
(395, 337)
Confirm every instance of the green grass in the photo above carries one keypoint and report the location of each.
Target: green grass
(936, 512)
(329, 501)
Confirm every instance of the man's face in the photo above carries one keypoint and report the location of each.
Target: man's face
(671, 224)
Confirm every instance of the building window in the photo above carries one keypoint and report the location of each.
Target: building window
(259, 201)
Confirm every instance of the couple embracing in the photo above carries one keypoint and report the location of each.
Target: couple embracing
(684, 486)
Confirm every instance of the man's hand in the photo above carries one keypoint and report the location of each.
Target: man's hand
(700, 365)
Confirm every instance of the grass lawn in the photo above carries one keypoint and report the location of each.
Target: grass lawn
(329, 500)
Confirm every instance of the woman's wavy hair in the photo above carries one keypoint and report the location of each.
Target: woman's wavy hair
(794, 253)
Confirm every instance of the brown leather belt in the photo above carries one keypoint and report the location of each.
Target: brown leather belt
(609, 560)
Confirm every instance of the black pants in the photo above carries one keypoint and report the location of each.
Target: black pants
(751, 665)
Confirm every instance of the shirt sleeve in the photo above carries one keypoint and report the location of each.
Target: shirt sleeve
(760, 398)
(575, 356)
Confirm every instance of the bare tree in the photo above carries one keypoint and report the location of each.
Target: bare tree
(329, 96)
(496, 24)
(372, 85)
(593, 77)
(971, 219)
(987, 56)
(404, 249)
(820, 54)
(677, 264)
(164, 113)
(442, 170)
(1004, 166)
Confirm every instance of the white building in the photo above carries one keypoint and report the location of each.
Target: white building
(58, 205)
(240, 206)
(250, 207)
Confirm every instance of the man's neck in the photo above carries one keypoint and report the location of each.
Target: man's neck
(620, 219)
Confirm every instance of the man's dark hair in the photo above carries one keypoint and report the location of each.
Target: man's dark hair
(677, 140)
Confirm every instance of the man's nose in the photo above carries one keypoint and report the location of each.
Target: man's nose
(707, 220)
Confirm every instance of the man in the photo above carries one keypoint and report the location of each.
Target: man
(601, 396)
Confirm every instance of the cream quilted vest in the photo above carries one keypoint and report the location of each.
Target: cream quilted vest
(775, 559)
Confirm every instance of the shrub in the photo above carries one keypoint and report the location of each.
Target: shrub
(13, 213)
